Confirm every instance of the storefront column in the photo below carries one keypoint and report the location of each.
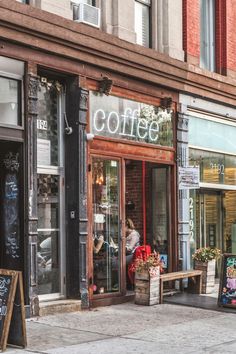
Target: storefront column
(76, 192)
(31, 127)
(83, 212)
(183, 202)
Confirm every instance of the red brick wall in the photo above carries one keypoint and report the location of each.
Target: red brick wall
(231, 34)
(191, 30)
(225, 34)
(134, 194)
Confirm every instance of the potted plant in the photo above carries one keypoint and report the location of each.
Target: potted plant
(205, 260)
(147, 279)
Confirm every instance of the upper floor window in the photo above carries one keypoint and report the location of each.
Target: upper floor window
(207, 33)
(142, 22)
(23, 1)
(88, 2)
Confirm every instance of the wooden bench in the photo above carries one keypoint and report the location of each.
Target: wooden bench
(194, 275)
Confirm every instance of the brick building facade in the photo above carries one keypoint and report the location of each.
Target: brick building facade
(97, 126)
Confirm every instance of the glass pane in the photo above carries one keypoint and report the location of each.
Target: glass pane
(142, 27)
(207, 47)
(120, 118)
(9, 101)
(106, 230)
(214, 135)
(160, 213)
(48, 234)
(48, 263)
(47, 126)
(214, 167)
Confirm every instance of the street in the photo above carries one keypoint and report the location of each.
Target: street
(130, 328)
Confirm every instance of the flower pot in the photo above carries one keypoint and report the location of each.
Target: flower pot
(147, 285)
(208, 275)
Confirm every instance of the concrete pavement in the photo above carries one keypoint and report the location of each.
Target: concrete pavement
(130, 328)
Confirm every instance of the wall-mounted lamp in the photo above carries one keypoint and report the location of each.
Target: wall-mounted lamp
(89, 136)
(105, 85)
(68, 129)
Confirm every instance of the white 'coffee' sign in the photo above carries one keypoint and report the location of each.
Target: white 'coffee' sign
(120, 118)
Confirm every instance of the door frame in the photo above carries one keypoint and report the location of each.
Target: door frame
(59, 171)
(98, 297)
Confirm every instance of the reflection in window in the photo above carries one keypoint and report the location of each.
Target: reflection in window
(160, 213)
(207, 49)
(10, 92)
(48, 232)
(105, 226)
(47, 125)
(214, 167)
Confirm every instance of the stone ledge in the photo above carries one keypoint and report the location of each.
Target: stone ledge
(59, 306)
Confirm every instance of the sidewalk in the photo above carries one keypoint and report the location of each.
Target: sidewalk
(130, 328)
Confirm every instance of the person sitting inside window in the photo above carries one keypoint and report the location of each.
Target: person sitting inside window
(132, 239)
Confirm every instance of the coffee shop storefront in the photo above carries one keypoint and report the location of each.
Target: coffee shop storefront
(131, 173)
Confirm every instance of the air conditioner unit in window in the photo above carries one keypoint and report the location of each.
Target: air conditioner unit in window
(86, 14)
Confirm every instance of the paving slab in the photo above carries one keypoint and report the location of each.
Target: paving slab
(130, 328)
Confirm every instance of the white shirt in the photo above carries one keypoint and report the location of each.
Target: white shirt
(132, 240)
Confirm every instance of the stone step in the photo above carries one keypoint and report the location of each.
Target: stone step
(58, 306)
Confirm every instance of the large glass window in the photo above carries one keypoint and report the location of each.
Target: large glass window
(106, 226)
(207, 47)
(214, 168)
(142, 22)
(213, 134)
(10, 101)
(120, 118)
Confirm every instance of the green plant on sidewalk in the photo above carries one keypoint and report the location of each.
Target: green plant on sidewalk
(206, 254)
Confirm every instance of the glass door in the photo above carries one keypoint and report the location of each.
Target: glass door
(208, 221)
(211, 219)
(160, 213)
(106, 225)
(50, 178)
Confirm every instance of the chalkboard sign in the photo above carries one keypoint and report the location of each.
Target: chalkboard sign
(12, 315)
(227, 290)
(10, 211)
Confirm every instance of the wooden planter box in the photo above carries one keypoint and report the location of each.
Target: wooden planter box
(208, 275)
(147, 288)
